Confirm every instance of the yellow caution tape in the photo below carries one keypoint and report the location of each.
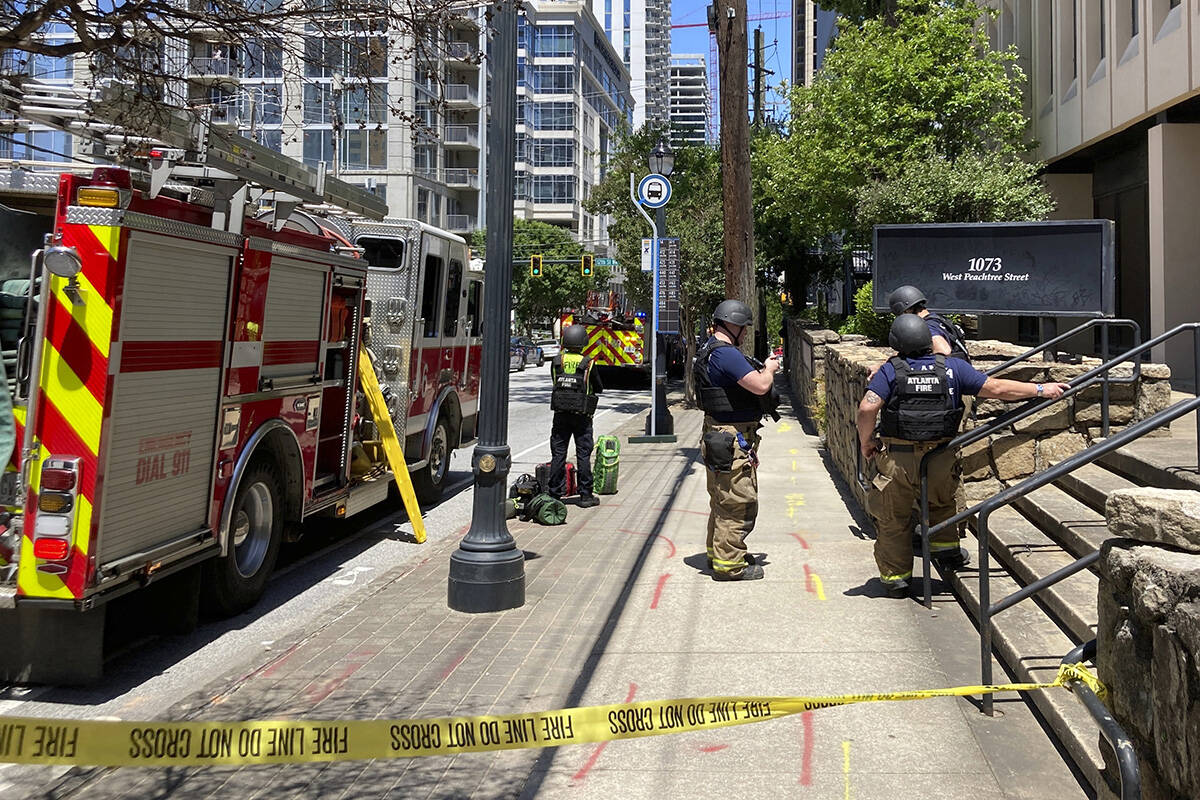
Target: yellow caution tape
(391, 444)
(169, 744)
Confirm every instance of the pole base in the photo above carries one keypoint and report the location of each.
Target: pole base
(483, 581)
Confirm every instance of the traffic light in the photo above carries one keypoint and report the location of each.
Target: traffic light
(586, 264)
(535, 266)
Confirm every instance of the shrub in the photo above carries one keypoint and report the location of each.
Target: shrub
(865, 321)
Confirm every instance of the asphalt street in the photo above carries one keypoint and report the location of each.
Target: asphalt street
(147, 674)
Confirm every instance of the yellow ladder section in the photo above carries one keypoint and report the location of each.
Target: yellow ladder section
(391, 444)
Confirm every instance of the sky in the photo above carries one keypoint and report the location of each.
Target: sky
(777, 36)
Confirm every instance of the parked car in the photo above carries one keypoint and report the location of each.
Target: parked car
(550, 347)
(533, 353)
(516, 356)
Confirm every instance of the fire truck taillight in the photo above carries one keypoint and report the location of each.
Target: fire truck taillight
(57, 480)
(49, 548)
(55, 502)
(102, 197)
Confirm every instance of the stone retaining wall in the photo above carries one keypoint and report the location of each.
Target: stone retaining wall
(1006, 457)
(806, 366)
(1148, 636)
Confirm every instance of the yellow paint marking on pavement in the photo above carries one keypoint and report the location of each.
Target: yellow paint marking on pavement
(783, 427)
(819, 586)
(846, 769)
(794, 451)
(121, 743)
(793, 465)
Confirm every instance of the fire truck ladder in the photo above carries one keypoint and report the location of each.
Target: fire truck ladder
(185, 145)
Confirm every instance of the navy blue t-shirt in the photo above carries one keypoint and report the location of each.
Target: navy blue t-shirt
(964, 379)
(727, 366)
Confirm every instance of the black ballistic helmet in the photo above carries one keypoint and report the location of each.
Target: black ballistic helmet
(733, 312)
(910, 336)
(904, 299)
(575, 337)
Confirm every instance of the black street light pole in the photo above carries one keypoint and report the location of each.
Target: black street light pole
(487, 572)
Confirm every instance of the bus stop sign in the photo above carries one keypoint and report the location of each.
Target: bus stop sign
(1036, 268)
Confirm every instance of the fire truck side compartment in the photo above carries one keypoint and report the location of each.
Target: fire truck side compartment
(292, 323)
(158, 469)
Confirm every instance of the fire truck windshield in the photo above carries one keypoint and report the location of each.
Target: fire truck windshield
(383, 253)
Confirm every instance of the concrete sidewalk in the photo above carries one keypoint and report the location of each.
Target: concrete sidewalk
(621, 606)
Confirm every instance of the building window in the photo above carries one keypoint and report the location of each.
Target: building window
(552, 188)
(552, 152)
(1133, 18)
(558, 116)
(553, 40)
(554, 78)
(54, 146)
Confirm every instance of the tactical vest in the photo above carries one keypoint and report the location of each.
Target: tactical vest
(920, 407)
(728, 399)
(954, 336)
(572, 392)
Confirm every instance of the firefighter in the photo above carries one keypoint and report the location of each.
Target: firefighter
(948, 338)
(920, 393)
(573, 400)
(734, 392)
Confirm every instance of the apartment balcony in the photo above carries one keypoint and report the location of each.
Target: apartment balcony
(462, 54)
(427, 173)
(460, 137)
(461, 95)
(461, 177)
(461, 223)
(211, 67)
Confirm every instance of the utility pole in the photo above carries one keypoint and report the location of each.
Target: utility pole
(487, 572)
(729, 21)
(758, 77)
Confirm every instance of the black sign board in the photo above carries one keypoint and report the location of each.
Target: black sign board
(668, 286)
(1036, 268)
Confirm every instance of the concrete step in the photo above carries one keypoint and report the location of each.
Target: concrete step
(1092, 484)
(1168, 463)
(1032, 644)
(1029, 555)
(1070, 523)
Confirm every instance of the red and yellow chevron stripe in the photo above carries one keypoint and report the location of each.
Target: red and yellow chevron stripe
(608, 347)
(72, 389)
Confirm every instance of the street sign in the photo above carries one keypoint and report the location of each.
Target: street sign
(654, 191)
(1061, 268)
(647, 255)
(606, 262)
(668, 285)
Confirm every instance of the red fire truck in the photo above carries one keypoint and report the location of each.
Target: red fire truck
(187, 384)
(615, 339)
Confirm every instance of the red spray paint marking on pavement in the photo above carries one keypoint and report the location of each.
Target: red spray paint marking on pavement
(808, 580)
(713, 748)
(319, 693)
(806, 762)
(662, 581)
(800, 539)
(660, 509)
(595, 756)
(657, 536)
(457, 662)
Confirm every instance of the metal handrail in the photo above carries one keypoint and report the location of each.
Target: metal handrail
(1122, 745)
(984, 509)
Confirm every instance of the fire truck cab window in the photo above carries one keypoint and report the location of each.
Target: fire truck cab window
(383, 253)
(453, 297)
(474, 305)
(431, 296)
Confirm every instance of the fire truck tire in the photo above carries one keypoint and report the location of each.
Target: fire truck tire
(235, 581)
(430, 480)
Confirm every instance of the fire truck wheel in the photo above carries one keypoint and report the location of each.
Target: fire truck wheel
(430, 479)
(235, 581)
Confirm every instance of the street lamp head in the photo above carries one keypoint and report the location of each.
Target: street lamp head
(662, 158)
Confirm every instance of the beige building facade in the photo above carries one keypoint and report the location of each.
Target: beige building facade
(1113, 93)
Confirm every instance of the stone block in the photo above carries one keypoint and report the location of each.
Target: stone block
(1064, 373)
(1024, 372)
(1014, 456)
(977, 491)
(991, 408)
(1089, 413)
(1117, 393)
(1156, 372)
(993, 350)
(1060, 446)
(976, 461)
(1170, 675)
(1052, 418)
(1153, 397)
(1165, 516)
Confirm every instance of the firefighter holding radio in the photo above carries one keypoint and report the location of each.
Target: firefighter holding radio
(573, 399)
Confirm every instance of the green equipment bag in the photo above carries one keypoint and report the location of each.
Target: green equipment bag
(545, 510)
(607, 466)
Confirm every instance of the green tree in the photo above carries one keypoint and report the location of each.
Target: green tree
(913, 117)
(538, 301)
(693, 214)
